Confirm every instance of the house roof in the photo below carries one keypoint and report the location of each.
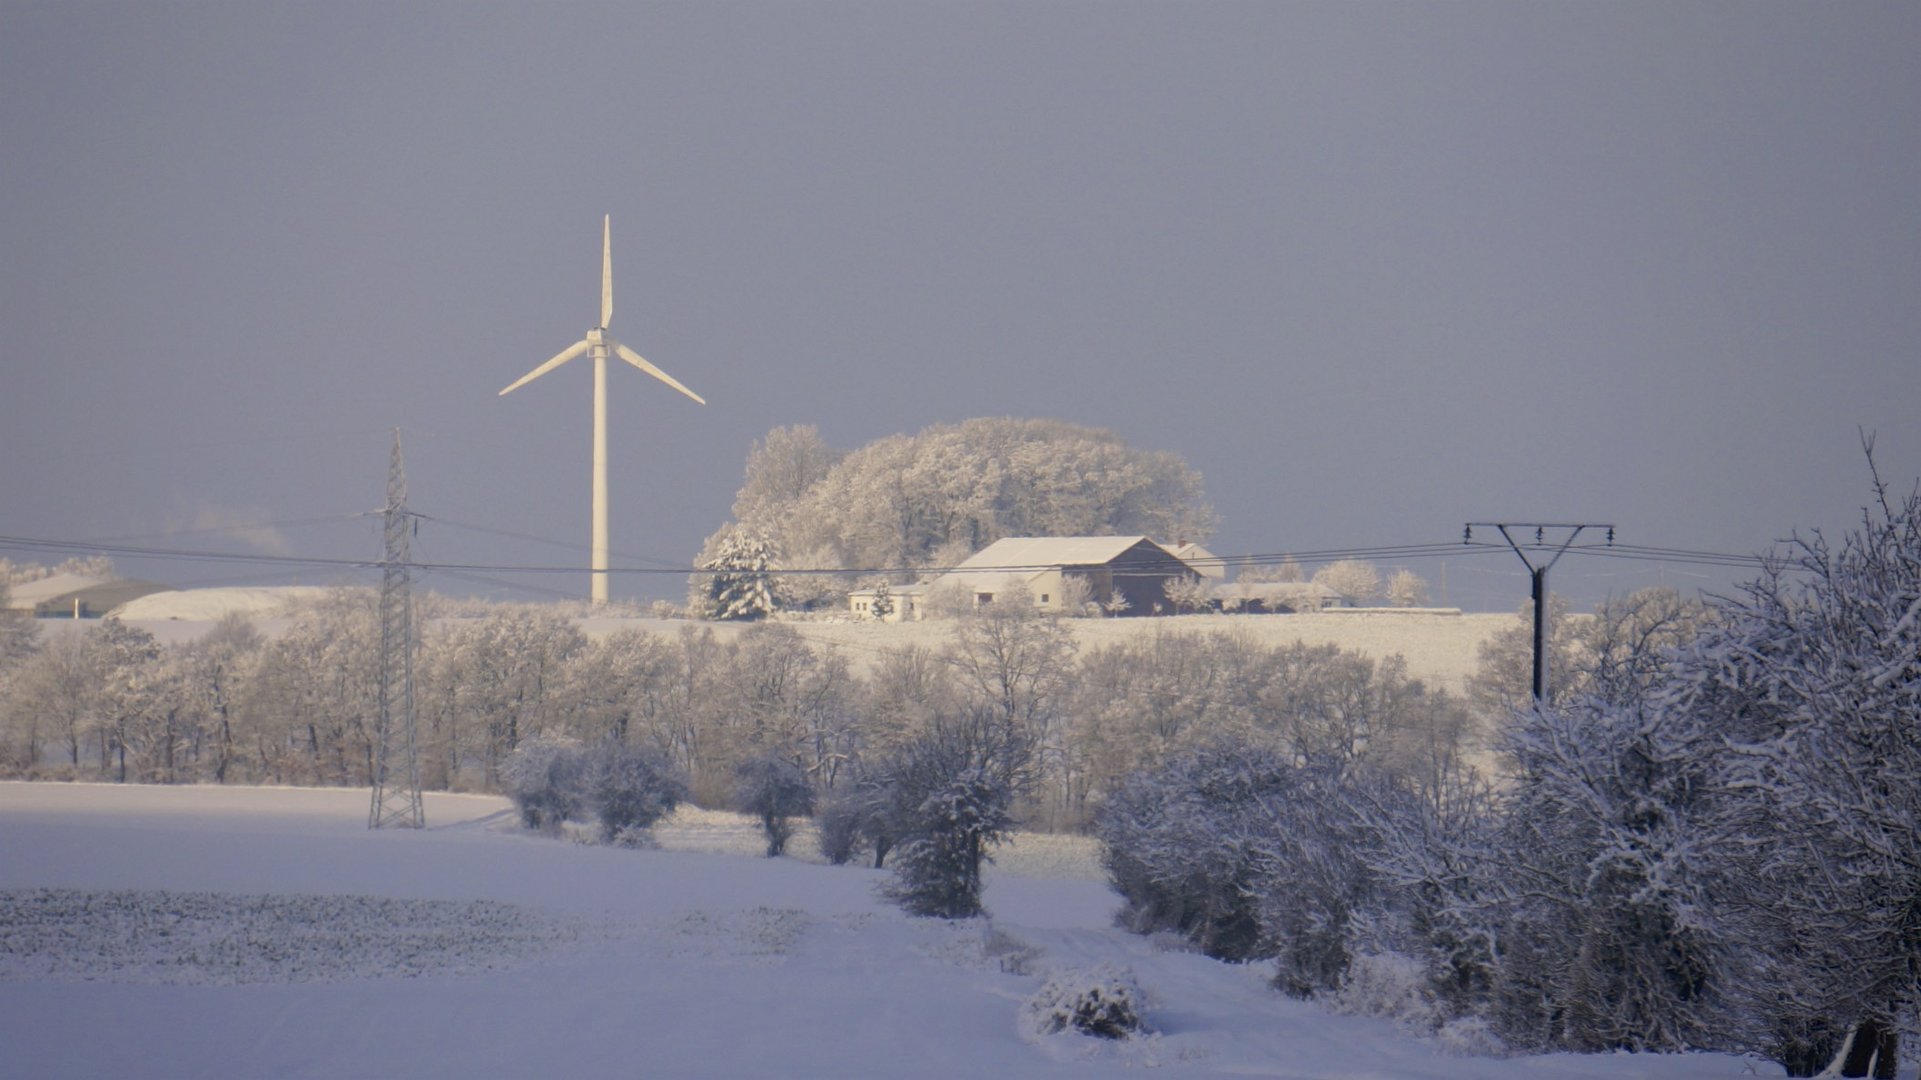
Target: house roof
(1045, 552)
(1201, 560)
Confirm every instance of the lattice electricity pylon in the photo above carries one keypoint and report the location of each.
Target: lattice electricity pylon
(396, 802)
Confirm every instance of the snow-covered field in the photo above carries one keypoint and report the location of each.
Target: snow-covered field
(265, 932)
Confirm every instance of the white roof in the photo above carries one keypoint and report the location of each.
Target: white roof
(1205, 562)
(1044, 552)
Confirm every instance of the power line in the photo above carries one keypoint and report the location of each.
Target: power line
(1378, 553)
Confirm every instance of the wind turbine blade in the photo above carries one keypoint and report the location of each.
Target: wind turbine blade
(607, 272)
(634, 358)
(578, 348)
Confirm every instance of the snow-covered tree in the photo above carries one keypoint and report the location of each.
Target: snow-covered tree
(130, 700)
(49, 703)
(1355, 581)
(915, 500)
(311, 697)
(1405, 588)
(774, 789)
(211, 673)
(1188, 594)
(630, 789)
(883, 604)
(953, 790)
(781, 469)
(1812, 678)
(546, 777)
(502, 679)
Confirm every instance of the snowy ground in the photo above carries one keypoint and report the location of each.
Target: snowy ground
(254, 932)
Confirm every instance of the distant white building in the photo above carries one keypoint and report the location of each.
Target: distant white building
(903, 601)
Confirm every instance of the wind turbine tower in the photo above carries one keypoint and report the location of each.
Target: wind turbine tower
(598, 345)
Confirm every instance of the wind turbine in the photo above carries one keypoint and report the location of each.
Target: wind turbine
(597, 344)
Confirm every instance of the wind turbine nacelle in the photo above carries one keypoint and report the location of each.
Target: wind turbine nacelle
(597, 336)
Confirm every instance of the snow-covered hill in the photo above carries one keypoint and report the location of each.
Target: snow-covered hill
(266, 932)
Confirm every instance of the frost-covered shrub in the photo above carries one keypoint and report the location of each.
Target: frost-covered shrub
(545, 778)
(1470, 1036)
(1391, 986)
(775, 790)
(1250, 853)
(1104, 1001)
(838, 826)
(631, 790)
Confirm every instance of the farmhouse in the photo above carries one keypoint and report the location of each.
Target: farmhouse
(1127, 575)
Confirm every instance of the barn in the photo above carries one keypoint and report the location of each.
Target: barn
(1057, 572)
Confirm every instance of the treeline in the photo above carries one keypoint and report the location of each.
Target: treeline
(1708, 839)
(110, 702)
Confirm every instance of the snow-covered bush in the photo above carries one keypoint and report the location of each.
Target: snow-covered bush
(546, 779)
(1392, 986)
(1252, 853)
(860, 816)
(1470, 1036)
(837, 824)
(1103, 1001)
(554, 780)
(775, 790)
(632, 789)
(1606, 879)
(1182, 845)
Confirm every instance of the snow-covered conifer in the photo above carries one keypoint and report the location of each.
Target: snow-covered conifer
(738, 580)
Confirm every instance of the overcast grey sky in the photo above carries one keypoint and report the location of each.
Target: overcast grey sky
(1375, 269)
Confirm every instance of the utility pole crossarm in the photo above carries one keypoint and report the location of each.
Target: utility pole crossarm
(1543, 545)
